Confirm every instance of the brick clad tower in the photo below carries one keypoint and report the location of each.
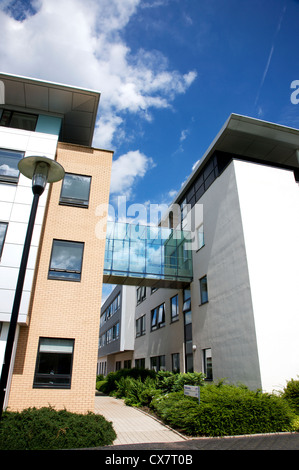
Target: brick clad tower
(64, 315)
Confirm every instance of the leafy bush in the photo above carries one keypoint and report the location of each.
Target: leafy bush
(135, 392)
(110, 382)
(291, 394)
(224, 410)
(47, 429)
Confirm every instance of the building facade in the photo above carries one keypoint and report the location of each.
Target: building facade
(116, 342)
(55, 355)
(238, 319)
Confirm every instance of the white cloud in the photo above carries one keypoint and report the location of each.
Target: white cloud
(80, 43)
(126, 169)
(89, 51)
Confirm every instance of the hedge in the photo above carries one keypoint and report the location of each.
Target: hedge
(47, 429)
(224, 411)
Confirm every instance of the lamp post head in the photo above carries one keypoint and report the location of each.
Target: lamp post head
(41, 170)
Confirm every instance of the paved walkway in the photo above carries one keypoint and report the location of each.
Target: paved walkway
(132, 425)
(138, 431)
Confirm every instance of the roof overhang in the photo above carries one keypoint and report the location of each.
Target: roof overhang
(253, 139)
(76, 106)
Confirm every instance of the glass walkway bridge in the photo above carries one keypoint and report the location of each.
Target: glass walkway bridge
(143, 255)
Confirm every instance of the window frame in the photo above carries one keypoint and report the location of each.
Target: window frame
(157, 363)
(203, 300)
(51, 384)
(140, 294)
(141, 326)
(57, 277)
(8, 178)
(207, 367)
(175, 358)
(174, 318)
(4, 237)
(12, 113)
(72, 201)
(200, 234)
(158, 317)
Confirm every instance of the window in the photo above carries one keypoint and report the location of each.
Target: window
(9, 160)
(203, 290)
(66, 260)
(127, 364)
(18, 120)
(141, 294)
(207, 364)
(75, 190)
(54, 363)
(3, 230)
(158, 363)
(174, 304)
(175, 360)
(158, 317)
(140, 326)
(140, 363)
(113, 333)
(117, 365)
(200, 237)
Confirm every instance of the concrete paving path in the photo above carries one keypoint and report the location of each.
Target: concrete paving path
(132, 425)
(138, 431)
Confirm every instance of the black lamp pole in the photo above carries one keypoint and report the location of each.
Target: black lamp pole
(42, 170)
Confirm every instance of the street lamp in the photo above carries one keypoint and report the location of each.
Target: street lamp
(41, 170)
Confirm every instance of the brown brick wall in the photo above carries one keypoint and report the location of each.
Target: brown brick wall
(66, 309)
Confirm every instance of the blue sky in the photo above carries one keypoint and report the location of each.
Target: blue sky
(170, 73)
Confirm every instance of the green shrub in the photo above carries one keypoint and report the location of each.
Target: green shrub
(224, 410)
(100, 384)
(174, 382)
(291, 394)
(135, 392)
(110, 382)
(47, 429)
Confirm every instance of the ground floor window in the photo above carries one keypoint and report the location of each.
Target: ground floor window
(158, 363)
(127, 364)
(54, 363)
(175, 360)
(140, 363)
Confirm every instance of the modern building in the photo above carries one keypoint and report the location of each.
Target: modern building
(214, 292)
(238, 318)
(55, 354)
(116, 342)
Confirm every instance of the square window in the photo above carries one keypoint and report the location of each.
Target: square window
(203, 290)
(158, 363)
(3, 229)
(54, 363)
(75, 190)
(9, 171)
(66, 260)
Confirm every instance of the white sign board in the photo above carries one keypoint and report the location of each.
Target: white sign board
(192, 391)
